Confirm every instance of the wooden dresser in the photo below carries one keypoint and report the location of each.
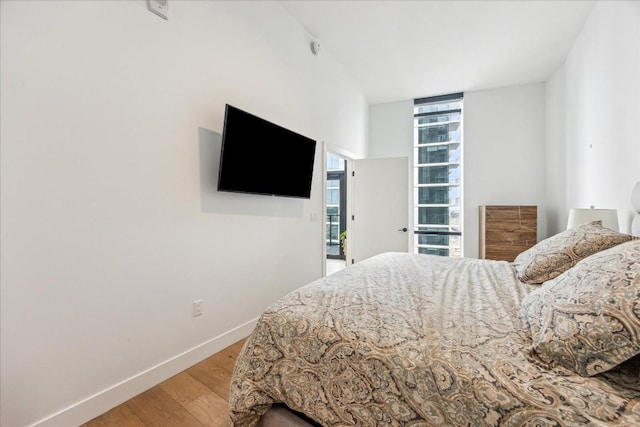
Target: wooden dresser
(505, 231)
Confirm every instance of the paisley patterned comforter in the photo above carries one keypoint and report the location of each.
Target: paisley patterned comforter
(417, 340)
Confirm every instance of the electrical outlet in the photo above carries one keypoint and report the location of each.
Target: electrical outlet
(197, 308)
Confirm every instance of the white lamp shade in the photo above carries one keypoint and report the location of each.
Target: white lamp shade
(635, 197)
(609, 217)
(635, 225)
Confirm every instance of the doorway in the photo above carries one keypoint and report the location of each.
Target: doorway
(336, 212)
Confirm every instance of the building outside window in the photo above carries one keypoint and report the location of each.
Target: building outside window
(437, 195)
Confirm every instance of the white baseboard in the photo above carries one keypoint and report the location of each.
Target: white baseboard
(85, 410)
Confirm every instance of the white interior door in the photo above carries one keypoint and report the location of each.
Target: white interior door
(380, 207)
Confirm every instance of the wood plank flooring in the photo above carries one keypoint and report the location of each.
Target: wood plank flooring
(197, 397)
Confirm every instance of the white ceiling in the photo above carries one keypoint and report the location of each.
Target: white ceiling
(401, 50)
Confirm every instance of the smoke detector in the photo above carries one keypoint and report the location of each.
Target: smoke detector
(315, 48)
(159, 7)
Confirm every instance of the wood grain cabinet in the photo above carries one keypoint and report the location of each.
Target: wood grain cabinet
(506, 231)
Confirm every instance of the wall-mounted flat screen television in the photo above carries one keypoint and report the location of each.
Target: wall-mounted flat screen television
(260, 157)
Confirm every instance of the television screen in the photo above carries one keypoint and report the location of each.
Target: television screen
(260, 157)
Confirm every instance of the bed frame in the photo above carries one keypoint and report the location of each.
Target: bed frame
(281, 416)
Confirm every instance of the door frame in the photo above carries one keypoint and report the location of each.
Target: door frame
(348, 158)
(342, 220)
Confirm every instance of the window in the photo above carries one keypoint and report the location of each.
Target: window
(437, 195)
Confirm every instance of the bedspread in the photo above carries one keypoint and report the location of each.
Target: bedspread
(406, 339)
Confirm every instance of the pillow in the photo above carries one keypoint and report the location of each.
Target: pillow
(555, 255)
(588, 319)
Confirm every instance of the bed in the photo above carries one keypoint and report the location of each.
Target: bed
(406, 339)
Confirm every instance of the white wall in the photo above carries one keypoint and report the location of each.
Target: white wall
(504, 134)
(597, 91)
(391, 136)
(391, 129)
(504, 140)
(111, 225)
(555, 154)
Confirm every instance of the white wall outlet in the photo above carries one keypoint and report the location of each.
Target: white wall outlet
(159, 7)
(197, 308)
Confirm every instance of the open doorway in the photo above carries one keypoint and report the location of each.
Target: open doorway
(336, 212)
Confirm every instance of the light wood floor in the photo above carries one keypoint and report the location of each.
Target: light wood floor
(334, 265)
(196, 397)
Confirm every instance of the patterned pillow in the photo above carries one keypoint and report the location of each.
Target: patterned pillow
(555, 255)
(588, 319)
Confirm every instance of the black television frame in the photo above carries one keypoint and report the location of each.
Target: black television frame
(245, 135)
